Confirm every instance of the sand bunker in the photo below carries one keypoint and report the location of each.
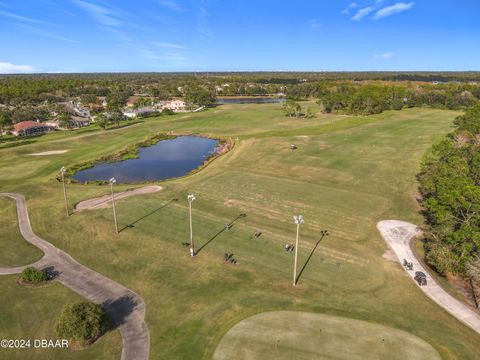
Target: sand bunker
(52, 152)
(105, 201)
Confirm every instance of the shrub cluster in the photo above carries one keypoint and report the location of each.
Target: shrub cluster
(83, 321)
(32, 275)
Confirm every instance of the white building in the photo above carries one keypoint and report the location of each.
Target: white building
(174, 105)
(133, 113)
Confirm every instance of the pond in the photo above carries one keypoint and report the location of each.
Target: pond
(165, 160)
(250, 100)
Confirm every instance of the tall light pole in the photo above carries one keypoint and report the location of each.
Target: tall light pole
(298, 219)
(62, 170)
(191, 198)
(113, 181)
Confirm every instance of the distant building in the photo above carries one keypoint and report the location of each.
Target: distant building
(30, 128)
(77, 122)
(132, 113)
(82, 111)
(131, 101)
(174, 105)
(54, 124)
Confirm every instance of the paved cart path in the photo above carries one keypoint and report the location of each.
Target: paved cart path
(398, 235)
(126, 308)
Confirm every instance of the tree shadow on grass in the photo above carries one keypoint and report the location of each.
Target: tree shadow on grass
(132, 224)
(323, 234)
(118, 310)
(227, 226)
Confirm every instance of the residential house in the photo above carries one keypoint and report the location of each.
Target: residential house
(131, 101)
(133, 113)
(30, 128)
(82, 111)
(77, 122)
(174, 105)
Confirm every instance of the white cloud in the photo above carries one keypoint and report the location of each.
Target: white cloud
(393, 9)
(346, 11)
(315, 24)
(360, 14)
(167, 45)
(203, 22)
(172, 5)
(9, 68)
(20, 18)
(46, 33)
(365, 11)
(385, 56)
(149, 54)
(101, 14)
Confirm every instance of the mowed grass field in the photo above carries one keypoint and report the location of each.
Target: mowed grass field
(347, 174)
(303, 336)
(14, 251)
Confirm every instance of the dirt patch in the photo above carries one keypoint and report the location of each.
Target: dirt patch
(389, 255)
(32, 284)
(51, 152)
(463, 287)
(105, 201)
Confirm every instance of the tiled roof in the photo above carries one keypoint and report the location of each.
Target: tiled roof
(27, 125)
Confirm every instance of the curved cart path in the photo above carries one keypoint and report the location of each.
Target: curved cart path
(398, 235)
(126, 308)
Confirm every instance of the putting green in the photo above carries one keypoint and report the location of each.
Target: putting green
(302, 335)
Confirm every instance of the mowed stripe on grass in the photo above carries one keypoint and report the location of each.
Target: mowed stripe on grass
(344, 180)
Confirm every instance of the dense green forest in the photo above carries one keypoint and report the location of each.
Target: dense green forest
(450, 189)
(354, 93)
(37, 97)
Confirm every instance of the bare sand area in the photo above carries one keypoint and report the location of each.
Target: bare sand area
(51, 152)
(105, 200)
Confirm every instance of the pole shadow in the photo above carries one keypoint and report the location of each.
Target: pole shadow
(323, 233)
(132, 224)
(227, 226)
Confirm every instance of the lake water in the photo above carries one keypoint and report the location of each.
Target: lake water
(164, 160)
(250, 100)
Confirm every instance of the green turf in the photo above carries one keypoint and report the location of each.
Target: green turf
(29, 313)
(14, 250)
(302, 336)
(347, 174)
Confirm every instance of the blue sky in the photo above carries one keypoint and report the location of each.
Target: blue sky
(238, 35)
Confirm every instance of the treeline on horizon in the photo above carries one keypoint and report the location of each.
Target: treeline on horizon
(362, 93)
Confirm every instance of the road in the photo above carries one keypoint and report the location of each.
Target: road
(398, 235)
(126, 308)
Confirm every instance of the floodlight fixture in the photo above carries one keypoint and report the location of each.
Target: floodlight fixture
(298, 219)
(191, 198)
(113, 181)
(63, 171)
